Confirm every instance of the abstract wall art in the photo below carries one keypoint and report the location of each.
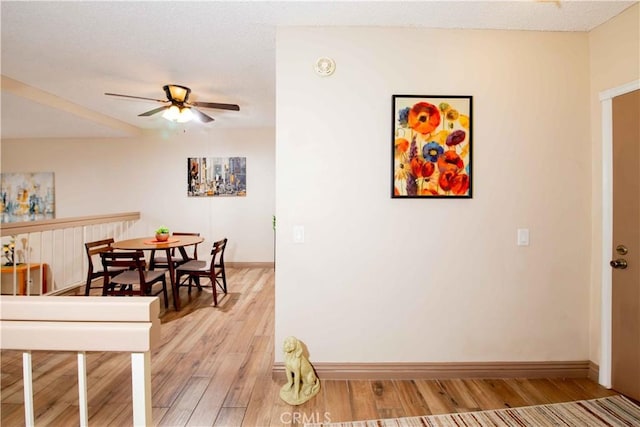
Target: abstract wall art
(26, 196)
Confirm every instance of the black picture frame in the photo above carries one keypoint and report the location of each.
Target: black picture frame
(431, 146)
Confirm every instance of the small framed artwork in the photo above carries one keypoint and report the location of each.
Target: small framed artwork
(431, 146)
(216, 176)
(26, 196)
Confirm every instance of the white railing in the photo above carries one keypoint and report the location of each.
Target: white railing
(59, 323)
(49, 255)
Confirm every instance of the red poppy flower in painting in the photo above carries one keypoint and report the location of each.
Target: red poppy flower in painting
(450, 161)
(424, 117)
(416, 167)
(460, 184)
(450, 180)
(427, 169)
(446, 179)
(456, 137)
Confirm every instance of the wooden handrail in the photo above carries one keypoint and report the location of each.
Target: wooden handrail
(15, 228)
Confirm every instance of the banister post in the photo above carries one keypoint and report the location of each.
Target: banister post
(83, 401)
(27, 378)
(141, 388)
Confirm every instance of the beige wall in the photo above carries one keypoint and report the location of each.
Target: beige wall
(614, 60)
(381, 279)
(148, 174)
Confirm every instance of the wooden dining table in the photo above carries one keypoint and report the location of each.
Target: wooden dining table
(150, 243)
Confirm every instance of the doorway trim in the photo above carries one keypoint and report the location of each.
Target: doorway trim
(606, 102)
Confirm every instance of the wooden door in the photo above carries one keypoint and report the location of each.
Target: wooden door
(625, 368)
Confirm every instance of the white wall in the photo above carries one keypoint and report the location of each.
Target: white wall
(381, 279)
(614, 60)
(148, 174)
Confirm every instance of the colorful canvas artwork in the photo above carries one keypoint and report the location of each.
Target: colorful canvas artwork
(26, 196)
(431, 146)
(216, 176)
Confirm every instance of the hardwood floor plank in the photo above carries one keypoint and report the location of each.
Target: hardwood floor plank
(181, 411)
(158, 414)
(386, 399)
(336, 398)
(435, 397)
(412, 402)
(13, 413)
(508, 395)
(206, 411)
(258, 413)
(45, 399)
(528, 391)
(362, 400)
(567, 386)
(45, 371)
(484, 394)
(459, 395)
(60, 415)
(549, 390)
(592, 389)
(230, 417)
(258, 360)
(205, 324)
(176, 380)
(161, 387)
(121, 418)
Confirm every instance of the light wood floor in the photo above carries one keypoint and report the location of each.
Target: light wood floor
(213, 367)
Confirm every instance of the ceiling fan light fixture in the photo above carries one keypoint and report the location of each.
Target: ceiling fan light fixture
(172, 113)
(185, 115)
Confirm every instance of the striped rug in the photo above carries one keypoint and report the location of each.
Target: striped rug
(611, 411)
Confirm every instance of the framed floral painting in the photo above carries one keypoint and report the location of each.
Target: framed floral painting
(431, 146)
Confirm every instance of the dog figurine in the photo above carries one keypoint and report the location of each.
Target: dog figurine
(302, 382)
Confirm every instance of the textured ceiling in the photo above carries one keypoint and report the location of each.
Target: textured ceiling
(58, 58)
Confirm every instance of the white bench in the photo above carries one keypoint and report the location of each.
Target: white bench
(81, 324)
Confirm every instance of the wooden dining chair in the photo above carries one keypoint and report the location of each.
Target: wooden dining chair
(135, 279)
(185, 256)
(93, 249)
(220, 265)
(195, 269)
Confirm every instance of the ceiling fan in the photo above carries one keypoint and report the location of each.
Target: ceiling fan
(178, 108)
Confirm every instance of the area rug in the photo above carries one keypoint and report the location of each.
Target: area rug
(611, 411)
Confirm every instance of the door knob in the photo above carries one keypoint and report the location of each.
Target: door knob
(619, 263)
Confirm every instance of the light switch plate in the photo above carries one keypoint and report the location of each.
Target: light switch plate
(298, 234)
(523, 237)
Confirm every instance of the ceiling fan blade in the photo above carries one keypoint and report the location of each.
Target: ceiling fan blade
(217, 105)
(154, 111)
(201, 116)
(135, 97)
